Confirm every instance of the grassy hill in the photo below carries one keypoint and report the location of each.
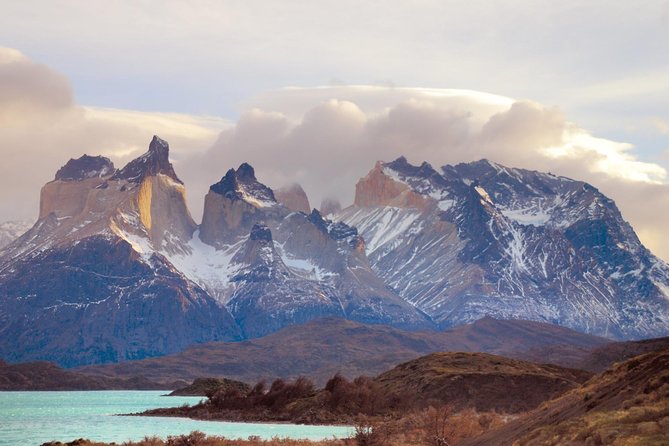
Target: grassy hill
(480, 381)
(626, 405)
(320, 349)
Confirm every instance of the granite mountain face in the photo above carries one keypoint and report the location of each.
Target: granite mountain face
(115, 268)
(479, 239)
(84, 284)
(273, 267)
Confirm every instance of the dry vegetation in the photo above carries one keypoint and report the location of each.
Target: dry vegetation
(486, 383)
(626, 405)
(429, 427)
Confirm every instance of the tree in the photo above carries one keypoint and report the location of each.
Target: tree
(440, 431)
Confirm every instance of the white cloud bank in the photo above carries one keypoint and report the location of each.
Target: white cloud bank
(324, 138)
(327, 138)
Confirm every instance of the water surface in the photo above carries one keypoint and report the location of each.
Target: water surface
(32, 418)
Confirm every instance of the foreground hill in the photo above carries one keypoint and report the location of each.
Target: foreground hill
(480, 381)
(627, 404)
(320, 349)
(601, 358)
(476, 381)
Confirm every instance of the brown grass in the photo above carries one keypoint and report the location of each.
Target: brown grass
(430, 427)
(626, 405)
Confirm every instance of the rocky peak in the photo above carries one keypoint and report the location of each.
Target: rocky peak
(334, 230)
(227, 186)
(233, 205)
(330, 206)
(241, 184)
(294, 198)
(155, 161)
(404, 168)
(317, 219)
(84, 168)
(257, 255)
(260, 231)
(390, 184)
(340, 231)
(246, 173)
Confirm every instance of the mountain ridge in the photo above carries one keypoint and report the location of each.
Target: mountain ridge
(509, 243)
(420, 249)
(323, 347)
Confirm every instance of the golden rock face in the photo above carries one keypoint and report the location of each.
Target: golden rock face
(378, 189)
(144, 202)
(66, 198)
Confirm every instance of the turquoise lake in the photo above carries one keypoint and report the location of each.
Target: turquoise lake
(32, 418)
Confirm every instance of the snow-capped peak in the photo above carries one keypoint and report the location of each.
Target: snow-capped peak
(241, 184)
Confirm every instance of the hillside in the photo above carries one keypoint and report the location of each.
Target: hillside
(209, 386)
(320, 349)
(595, 360)
(43, 375)
(474, 381)
(601, 358)
(628, 404)
(480, 381)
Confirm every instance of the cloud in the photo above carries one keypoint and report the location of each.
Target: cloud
(41, 127)
(28, 90)
(328, 143)
(325, 138)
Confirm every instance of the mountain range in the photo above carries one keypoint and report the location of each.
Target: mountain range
(116, 268)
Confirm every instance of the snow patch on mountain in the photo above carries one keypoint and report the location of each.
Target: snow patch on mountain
(531, 216)
(304, 268)
(484, 195)
(387, 224)
(257, 201)
(207, 266)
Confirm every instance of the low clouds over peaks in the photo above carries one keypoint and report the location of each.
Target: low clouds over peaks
(328, 146)
(322, 138)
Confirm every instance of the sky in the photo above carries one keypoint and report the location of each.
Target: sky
(317, 91)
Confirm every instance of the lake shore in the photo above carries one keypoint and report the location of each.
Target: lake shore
(37, 417)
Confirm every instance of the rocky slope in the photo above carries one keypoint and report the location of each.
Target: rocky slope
(85, 284)
(273, 267)
(482, 239)
(480, 381)
(627, 404)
